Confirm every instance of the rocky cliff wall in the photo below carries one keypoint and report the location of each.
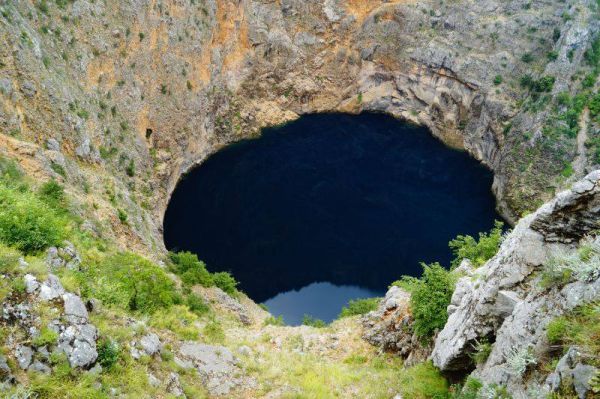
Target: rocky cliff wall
(120, 99)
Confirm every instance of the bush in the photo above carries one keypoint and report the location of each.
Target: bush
(430, 296)
(359, 307)
(519, 359)
(108, 353)
(54, 194)
(556, 330)
(9, 258)
(482, 348)
(191, 270)
(197, 305)
(308, 320)
(9, 171)
(527, 58)
(497, 80)
(274, 321)
(226, 282)
(477, 251)
(128, 281)
(26, 222)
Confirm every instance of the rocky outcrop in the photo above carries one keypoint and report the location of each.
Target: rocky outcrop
(389, 327)
(216, 365)
(504, 301)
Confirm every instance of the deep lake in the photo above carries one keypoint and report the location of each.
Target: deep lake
(328, 208)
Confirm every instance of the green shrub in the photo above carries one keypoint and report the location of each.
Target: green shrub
(594, 105)
(190, 269)
(226, 282)
(122, 215)
(552, 55)
(197, 305)
(9, 258)
(108, 353)
(274, 321)
(26, 222)
(468, 391)
(497, 80)
(128, 281)
(430, 296)
(359, 307)
(9, 171)
(527, 58)
(308, 320)
(482, 350)
(130, 169)
(477, 251)
(54, 194)
(557, 330)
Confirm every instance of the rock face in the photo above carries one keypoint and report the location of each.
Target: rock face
(215, 364)
(389, 327)
(248, 64)
(503, 300)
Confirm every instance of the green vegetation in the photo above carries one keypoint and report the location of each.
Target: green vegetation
(581, 265)
(193, 271)
(498, 80)
(308, 320)
(580, 328)
(46, 337)
(477, 251)
(129, 282)
(482, 350)
(430, 296)
(26, 222)
(274, 321)
(359, 307)
(108, 353)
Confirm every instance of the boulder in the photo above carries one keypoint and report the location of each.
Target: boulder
(78, 342)
(150, 344)
(51, 289)
(174, 386)
(216, 365)
(31, 284)
(24, 356)
(75, 310)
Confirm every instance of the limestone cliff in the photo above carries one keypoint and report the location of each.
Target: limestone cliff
(120, 98)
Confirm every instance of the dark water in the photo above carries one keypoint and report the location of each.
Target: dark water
(352, 201)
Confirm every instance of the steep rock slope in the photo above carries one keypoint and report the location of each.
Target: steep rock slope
(512, 298)
(120, 98)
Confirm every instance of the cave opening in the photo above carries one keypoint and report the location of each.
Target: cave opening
(328, 208)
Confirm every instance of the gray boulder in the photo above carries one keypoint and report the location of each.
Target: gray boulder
(40, 367)
(5, 371)
(216, 365)
(51, 289)
(24, 355)
(78, 342)
(174, 386)
(75, 310)
(31, 284)
(150, 344)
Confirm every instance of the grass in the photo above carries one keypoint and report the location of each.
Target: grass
(357, 307)
(361, 375)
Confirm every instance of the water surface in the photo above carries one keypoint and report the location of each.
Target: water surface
(351, 201)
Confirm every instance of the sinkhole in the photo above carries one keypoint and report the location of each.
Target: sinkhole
(328, 208)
